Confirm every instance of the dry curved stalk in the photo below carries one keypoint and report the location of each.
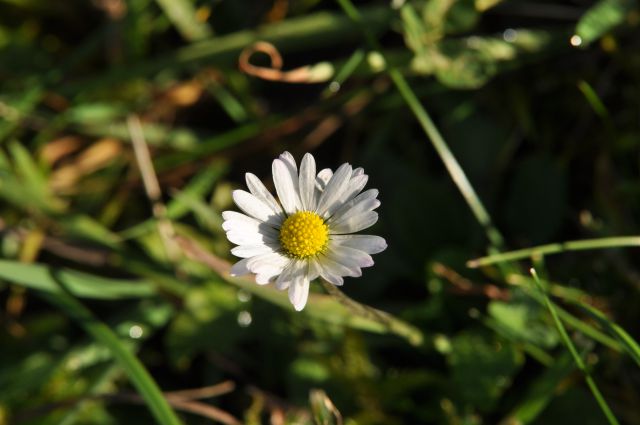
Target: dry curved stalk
(308, 74)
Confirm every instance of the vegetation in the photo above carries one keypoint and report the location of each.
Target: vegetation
(503, 137)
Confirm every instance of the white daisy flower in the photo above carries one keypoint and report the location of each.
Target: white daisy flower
(308, 233)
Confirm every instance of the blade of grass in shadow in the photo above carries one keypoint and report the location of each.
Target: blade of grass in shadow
(556, 248)
(134, 369)
(541, 391)
(574, 353)
(453, 167)
(627, 341)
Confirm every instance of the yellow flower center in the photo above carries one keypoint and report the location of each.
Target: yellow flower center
(304, 234)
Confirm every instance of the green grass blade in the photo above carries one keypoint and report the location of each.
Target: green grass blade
(134, 369)
(556, 248)
(574, 353)
(182, 15)
(40, 277)
(628, 343)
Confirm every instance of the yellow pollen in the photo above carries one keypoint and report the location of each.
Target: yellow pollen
(304, 234)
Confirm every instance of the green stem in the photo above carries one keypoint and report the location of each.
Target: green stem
(555, 248)
(574, 352)
(453, 167)
(392, 324)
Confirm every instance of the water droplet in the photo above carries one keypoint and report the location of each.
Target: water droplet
(244, 318)
(244, 296)
(334, 86)
(135, 331)
(509, 35)
(575, 40)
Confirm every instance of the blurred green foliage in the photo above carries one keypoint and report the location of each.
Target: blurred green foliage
(536, 100)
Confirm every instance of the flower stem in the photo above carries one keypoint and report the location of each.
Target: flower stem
(391, 323)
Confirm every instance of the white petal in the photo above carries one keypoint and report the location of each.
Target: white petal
(314, 269)
(240, 268)
(267, 266)
(367, 243)
(299, 290)
(248, 251)
(250, 238)
(360, 204)
(286, 186)
(307, 182)
(323, 178)
(255, 208)
(356, 184)
(287, 275)
(333, 191)
(290, 161)
(349, 257)
(332, 271)
(357, 172)
(262, 263)
(355, 223)
(257, 188)
(235, 221)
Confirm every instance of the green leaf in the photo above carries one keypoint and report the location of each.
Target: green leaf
(603, 17)
(482, 369)
(522, 318)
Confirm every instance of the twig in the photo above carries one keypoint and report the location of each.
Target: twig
(465, 286)
(152, 187)
(308, 74)
(182, 400)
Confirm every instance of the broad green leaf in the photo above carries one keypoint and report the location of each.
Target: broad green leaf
(523, 320)
(482, 368)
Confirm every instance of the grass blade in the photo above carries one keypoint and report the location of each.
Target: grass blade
(40, 277)
(183, 16)
(628, 343)
(556, 248)
(574, 352)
